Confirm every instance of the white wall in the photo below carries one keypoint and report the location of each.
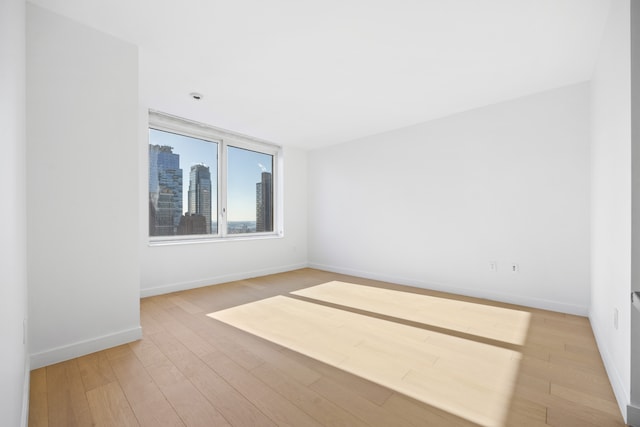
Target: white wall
(633, 411)
(82, 188)
(611, 199)
(14, 369)
(175, 267)
(431, 205)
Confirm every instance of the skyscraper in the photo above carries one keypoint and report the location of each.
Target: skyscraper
(165, 190)
(200, 193)
(192, 224)
(264, 203)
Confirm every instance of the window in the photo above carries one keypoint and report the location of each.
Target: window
(206, 182)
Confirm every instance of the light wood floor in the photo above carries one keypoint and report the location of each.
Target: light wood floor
(192, 370)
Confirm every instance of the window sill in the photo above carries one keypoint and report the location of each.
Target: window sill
(200, 240)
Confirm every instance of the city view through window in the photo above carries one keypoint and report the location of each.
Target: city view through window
(184, 187)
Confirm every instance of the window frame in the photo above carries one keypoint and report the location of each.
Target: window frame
(223, 138)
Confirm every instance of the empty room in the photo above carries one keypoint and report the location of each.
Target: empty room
(337, 213)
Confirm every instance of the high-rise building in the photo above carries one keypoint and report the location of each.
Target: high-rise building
(165, 190)
(264, 203)
(200, 193)
(192, 224)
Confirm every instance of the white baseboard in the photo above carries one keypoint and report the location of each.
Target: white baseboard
(215, 280)
(622, 398)
(81, 348)
(478, 293)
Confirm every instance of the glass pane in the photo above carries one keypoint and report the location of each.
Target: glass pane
(249, 191)
(183, 188)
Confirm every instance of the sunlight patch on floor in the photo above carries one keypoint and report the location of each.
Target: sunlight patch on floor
(497, 323)
(470, 379)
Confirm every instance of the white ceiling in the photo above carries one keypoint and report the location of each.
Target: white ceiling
(316, 73)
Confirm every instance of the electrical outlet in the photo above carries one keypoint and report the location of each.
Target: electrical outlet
(615, 318)
(493, 266)
(515, 267)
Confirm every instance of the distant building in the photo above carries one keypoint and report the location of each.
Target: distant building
(264, 203)
(152, 219)
(199, 196)
(192, 224)
(165, 190)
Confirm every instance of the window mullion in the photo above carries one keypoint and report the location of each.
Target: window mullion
(222, 188)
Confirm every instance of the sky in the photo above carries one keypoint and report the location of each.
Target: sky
(244, 169)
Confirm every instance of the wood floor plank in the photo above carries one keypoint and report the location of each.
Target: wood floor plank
(149, 324)
(117, 352)
(587, 366)
(565, 415)
(192, 407)
(276, 407)
(38, 401)
(418, 413)
(524, 412)
(252, 351)
(562, 411)
(189, 337)
(207, 335)
(185, 304)
(147, 401)
(147, 352)
(564, 374)
(225, 343)
(110, 407)
(369, 390)
(303, 373)
(322, 410)
(95, 370)
(586, 350)
(367, 411)
(67, 401)
(581, 398)
(236, 409)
